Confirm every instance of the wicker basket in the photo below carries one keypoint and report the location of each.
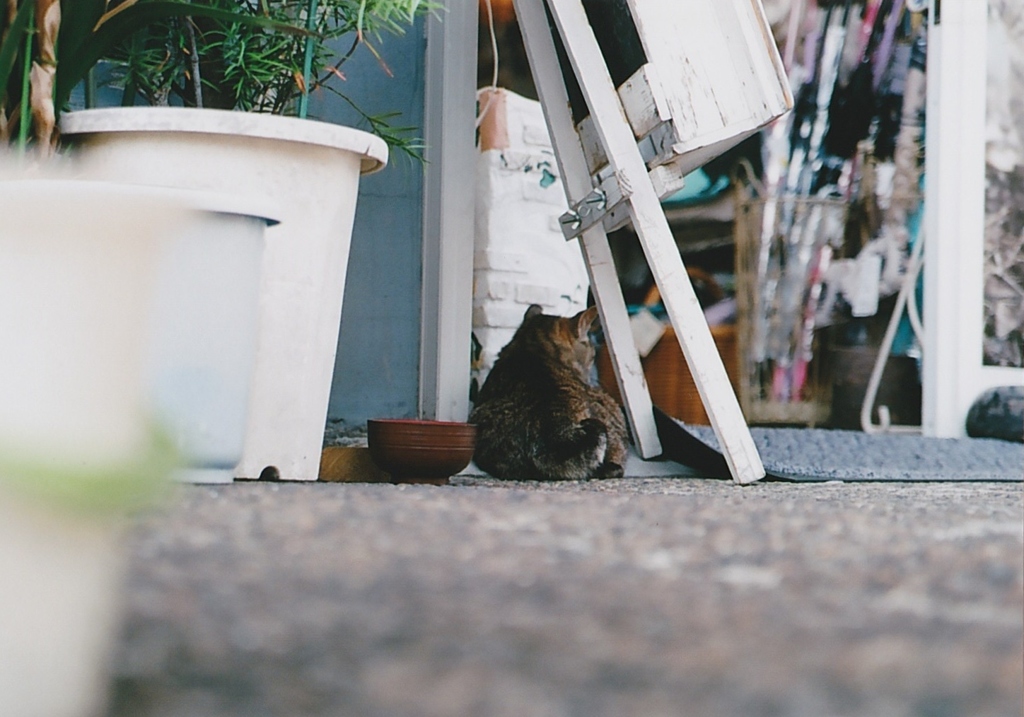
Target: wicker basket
(668, 377)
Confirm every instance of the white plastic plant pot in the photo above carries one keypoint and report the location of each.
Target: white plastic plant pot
(78, 263)
(60, 609)
(310, 170)
(205, 328)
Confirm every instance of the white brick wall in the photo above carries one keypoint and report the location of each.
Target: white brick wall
(499, 260)
(520, 256)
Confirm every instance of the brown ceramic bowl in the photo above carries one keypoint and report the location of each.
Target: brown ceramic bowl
(415, 451)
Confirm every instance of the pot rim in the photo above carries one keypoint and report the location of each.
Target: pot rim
(417, 422)
(371, 148)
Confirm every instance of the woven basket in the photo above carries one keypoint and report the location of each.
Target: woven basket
(668, 377)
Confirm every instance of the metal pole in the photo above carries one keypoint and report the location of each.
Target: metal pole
(307, 62)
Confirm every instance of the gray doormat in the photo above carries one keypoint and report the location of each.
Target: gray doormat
(807, 454)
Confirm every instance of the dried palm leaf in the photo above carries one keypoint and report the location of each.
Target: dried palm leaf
(44, 116)
(44, 74)
(47, 27)
(7, 19)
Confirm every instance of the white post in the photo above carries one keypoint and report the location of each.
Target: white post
(953, 373)
(448, 209)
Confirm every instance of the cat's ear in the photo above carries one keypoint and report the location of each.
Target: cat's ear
(534, 310)
(584, 320)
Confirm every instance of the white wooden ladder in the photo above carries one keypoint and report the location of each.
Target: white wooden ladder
(626, 184)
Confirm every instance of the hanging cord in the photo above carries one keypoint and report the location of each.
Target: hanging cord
(494, 75)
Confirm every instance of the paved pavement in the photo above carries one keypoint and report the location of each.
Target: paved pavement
(632, 597)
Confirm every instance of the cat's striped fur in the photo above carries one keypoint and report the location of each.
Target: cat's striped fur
(538, 417)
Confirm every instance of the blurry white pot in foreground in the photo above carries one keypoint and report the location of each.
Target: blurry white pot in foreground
(78, 266)
(78, 263)
(59, 609)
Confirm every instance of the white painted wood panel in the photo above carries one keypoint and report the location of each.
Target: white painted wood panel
(729, 80)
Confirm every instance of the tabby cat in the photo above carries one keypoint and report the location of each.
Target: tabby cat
(538, 417)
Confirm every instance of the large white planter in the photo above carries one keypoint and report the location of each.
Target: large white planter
(78, 267)
(310, 171)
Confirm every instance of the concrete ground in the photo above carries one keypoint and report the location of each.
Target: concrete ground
(644, 597)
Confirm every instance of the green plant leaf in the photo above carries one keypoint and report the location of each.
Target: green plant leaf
(78, 57)
(250, 50)
(12, 43)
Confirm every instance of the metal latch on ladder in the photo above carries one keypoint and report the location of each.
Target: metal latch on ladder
(606, 203)
(584, 214)
(611, 191)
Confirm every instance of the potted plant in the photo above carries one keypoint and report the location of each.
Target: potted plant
(203, 342)
(47, 47)
(308, 169)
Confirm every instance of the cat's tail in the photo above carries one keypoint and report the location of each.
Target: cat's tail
(574, 454)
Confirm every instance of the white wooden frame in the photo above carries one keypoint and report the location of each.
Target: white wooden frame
(953, 373)
(597, 253)
(635, 185)
(448, 212)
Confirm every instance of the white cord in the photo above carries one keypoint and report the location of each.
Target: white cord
(905, 299)
(494, 75)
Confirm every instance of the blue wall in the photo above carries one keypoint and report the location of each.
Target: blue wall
(377, 369)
